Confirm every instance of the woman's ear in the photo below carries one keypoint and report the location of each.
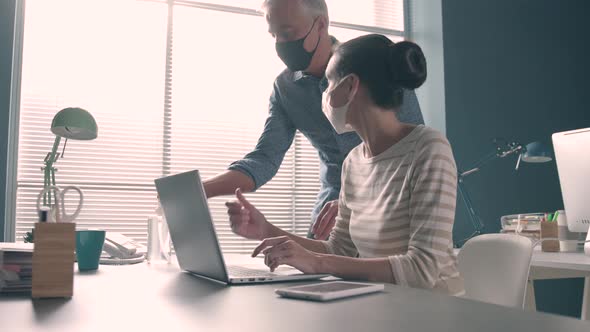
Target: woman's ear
(354, 83)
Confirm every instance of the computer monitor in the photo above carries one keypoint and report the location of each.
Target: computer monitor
(572, 155)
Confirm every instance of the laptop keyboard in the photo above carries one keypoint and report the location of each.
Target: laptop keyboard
(241, 271)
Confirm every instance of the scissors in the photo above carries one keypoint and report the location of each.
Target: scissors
(62, 216)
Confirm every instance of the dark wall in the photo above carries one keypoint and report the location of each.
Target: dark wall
(515, 69)
(6, 37)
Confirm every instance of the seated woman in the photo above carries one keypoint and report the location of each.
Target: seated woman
(397, 201)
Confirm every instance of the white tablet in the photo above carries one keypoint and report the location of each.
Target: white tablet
(327, 291)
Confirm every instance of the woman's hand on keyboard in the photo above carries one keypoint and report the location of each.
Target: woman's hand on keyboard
(282, 250)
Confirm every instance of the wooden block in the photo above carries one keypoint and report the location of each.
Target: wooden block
(549, 230)
(53, 260)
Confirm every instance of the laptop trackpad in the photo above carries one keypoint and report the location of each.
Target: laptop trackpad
(257, 263)
(282, 270)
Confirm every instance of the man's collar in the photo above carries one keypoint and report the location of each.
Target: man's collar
(298, 75)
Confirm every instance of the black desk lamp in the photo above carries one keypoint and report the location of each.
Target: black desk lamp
(534, 152)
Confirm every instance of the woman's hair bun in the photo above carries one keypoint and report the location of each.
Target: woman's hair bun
(407, 64)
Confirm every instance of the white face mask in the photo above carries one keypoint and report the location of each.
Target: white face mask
(337, 115)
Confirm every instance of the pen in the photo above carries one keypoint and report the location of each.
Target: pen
(555, 216)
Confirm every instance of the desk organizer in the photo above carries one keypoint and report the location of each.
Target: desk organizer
(524, 224)
(53, 260)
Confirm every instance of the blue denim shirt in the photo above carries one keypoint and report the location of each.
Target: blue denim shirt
(296, 104)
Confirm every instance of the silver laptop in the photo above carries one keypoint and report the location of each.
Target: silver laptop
(195, 241)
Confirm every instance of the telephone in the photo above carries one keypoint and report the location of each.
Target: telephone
(120, 249)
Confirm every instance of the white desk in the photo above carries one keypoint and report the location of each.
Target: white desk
(559, 265)
(144, 298)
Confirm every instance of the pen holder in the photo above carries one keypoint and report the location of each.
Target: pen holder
(549, 230)
(53, 260)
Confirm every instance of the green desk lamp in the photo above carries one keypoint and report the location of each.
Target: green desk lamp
(69, 123)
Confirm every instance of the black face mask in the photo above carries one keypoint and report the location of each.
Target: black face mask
(294, 55)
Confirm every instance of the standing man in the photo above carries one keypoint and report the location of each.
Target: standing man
(300, 29)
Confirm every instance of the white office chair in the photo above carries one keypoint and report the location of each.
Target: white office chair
(495, 268)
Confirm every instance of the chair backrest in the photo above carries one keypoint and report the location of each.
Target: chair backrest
(495, 268)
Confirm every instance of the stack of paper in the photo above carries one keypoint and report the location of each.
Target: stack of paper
(16, 260)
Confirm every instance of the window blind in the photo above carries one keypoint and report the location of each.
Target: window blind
(170, 93)
(369, 15)
(87, 54)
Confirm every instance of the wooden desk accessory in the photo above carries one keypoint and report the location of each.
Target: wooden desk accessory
(53, 260)
(549, 229)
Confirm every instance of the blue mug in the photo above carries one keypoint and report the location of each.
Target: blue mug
(89, 248)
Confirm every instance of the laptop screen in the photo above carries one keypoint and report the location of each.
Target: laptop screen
(192, 231)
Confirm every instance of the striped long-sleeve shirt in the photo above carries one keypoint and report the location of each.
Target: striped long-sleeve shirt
(401, 205)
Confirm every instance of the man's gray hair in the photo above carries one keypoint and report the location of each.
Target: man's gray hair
(316, 7)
